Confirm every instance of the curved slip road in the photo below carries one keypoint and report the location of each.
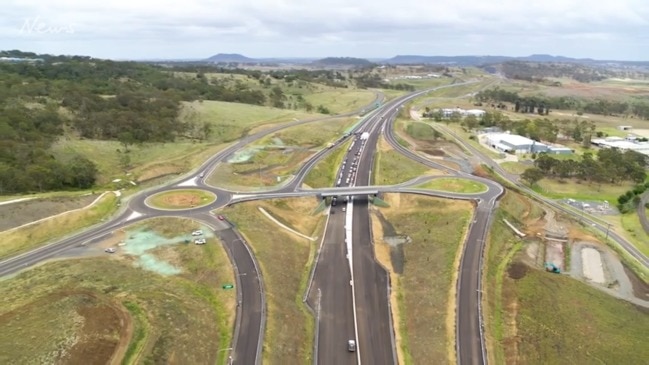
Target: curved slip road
(250, 320)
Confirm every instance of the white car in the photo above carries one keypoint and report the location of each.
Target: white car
(200, 241)
(110, 250)
(197, 233)
(344, 209)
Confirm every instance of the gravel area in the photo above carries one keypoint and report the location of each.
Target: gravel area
(592, 265)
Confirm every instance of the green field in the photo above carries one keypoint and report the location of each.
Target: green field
(634, 231)
(85, 311)
(339, 101)
(323, 174)
(280, 154)
(514, 167)
(26, 238)
(231, 121)
(285, 261)
(391, 167)
(582, 191)
(455, 185)
(181, 199)
(422, 272)
(561, 320)
(170, 157)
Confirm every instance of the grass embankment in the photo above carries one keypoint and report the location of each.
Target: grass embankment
(454, 185)
(285, 261)
(391, 167)
(181, 199)
(97, 309)
(423, 272)
(570, 188)
(563, 320)
(341, 100)
(633, 230)
(536, 317)
(278, 155)
(515, 167)
(323, 174)
(28, 237)
(228, 121)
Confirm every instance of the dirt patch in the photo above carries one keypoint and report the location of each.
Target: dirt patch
(640, 288)
(181, 200)
(517, 270)
(17, 214)
(92, 329)
(433, 152)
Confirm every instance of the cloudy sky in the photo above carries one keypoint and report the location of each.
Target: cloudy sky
(145, 29)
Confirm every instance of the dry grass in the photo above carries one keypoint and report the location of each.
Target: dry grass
(130, 314)
(285, 261)
(28, 237)
(267, 163)
(429, 265)
(391, 167)
(341, 100)
(181, 199)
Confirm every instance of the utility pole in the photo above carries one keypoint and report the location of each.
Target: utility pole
(608, 227)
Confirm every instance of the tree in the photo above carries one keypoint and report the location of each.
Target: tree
(471, 121)
(532, 175)
(83, 171)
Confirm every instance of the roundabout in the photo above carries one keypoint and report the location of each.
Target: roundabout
(181, 199)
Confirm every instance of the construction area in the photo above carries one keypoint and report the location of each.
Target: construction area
(560, 247)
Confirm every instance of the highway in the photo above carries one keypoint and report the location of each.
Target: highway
(248, 337)
(331, 294)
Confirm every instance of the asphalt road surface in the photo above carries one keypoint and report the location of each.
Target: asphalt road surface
(331, 295)
(250, 308)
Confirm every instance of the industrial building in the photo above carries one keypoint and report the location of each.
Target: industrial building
(446, 113)
(628, 143)
(512, 143)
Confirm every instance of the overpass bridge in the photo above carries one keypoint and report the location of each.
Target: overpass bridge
(375, 190)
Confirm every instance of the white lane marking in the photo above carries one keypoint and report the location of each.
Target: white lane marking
(134, 215)
(190, 182)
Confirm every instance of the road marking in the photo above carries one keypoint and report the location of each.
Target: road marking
(190, 182)
(134, 215)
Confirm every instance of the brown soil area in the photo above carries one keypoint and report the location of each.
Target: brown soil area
(640, 288)
(97, 343)
(17, 214)
(103, 333)
(181, 200)
(517, 270)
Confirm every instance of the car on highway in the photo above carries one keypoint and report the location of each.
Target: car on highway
(220, 217)
(110, 250)
(202, 174)
(351, 345)
(344, 209)
(200, 241)
(197, 232)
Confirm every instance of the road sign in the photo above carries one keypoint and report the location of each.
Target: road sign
(228, 286)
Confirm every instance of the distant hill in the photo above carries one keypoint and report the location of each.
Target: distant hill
(486, 60)
(230, 58)
(343, 61)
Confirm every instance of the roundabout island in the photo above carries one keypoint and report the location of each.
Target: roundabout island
(181, 199)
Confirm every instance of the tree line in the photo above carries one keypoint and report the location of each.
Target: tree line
(611, 166)
(543, 104)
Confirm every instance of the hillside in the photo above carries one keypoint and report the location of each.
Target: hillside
(230, 58)
(343, 62)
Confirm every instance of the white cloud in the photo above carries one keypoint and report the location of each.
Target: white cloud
(366, 28)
